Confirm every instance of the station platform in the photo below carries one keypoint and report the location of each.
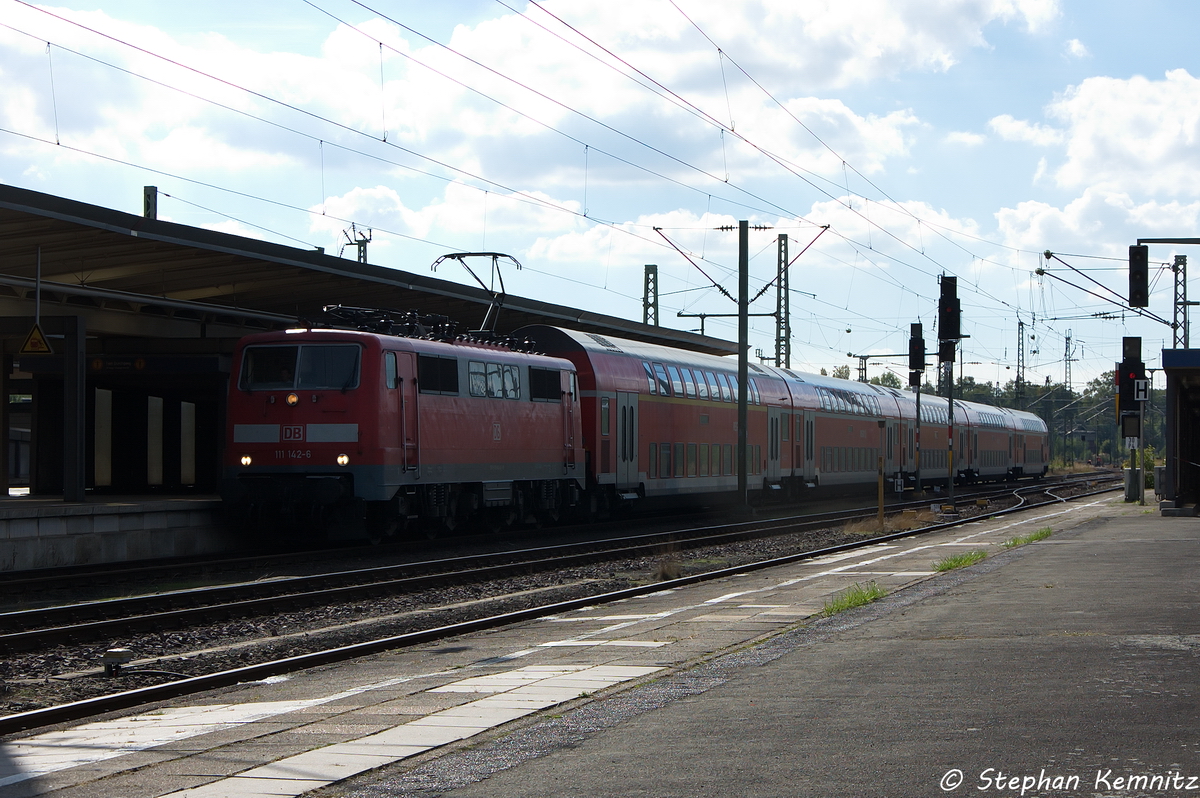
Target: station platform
(1067, 666)
(46, 532)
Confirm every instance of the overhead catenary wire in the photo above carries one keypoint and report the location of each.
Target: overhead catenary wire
(836, 233)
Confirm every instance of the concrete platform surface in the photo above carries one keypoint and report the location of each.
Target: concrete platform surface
(1068, 664)
(1067, 667)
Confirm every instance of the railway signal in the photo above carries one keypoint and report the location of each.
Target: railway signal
(1139, 276)
(949, 310)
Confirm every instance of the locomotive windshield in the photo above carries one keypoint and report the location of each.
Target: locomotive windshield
(311, 366)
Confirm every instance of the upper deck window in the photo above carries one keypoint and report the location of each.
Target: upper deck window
(676, 381)
(308, 366)
(689, 385)
(664, 384)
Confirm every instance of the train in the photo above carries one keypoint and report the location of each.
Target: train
(369, 432)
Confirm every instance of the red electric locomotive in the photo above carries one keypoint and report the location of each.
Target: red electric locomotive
(357, 433)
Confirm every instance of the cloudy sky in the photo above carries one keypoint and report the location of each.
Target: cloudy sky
(963, 137)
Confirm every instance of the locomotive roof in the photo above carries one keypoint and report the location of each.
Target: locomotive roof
(458, 348)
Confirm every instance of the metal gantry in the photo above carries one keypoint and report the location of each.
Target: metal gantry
(650, 296)
(783, 313)
(1180, 326)
(1019, 385)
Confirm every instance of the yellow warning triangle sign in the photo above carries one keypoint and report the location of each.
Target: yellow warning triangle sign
(36, 343)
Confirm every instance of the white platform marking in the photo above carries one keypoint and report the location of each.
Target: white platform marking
(96, 742)
(514, 695)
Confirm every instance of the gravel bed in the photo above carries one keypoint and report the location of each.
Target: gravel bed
(73, 672)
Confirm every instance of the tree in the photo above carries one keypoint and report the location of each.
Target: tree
(888, 380)
(842, 372)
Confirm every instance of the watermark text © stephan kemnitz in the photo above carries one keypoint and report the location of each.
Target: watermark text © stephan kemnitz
(998, 780)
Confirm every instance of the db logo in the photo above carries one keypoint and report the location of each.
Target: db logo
(293, 433)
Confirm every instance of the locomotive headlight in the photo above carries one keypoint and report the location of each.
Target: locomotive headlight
(246, 460)
(292, 399)
(343, 459)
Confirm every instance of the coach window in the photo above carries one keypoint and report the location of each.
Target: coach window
(754, 391)
(664, 460)
(604, 415)
(701, 386)
(714, 389)
(650, 377)
(664, 384)
(704, 459)
(652, 468)
(676, 381)
(691, 459)
(733, 386)
(437, 374)
(678, 470)
(389, 370)
(727, 461)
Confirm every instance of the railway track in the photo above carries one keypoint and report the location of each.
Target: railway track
(120, 578)
(183, 686)
(28, 630)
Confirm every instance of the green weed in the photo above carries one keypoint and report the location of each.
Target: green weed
(959, 560)
(1041, 534)
(854, 596)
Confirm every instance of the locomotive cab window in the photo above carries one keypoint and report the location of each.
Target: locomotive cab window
(390, 375)
(328, 366)
(544, 385)
(311, 366)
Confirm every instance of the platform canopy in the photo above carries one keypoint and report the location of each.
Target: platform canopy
(130, 275)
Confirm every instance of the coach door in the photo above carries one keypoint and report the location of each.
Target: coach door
(409, 433)
(627, 440)
(774, 441)
(892, 451)
(569, 394)
(808, 428)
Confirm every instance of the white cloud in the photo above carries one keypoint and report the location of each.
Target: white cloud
(1133, 135)
(460, 214)
(965, 138)
(1100, 221)
(1076, 49)
(1010, 129)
